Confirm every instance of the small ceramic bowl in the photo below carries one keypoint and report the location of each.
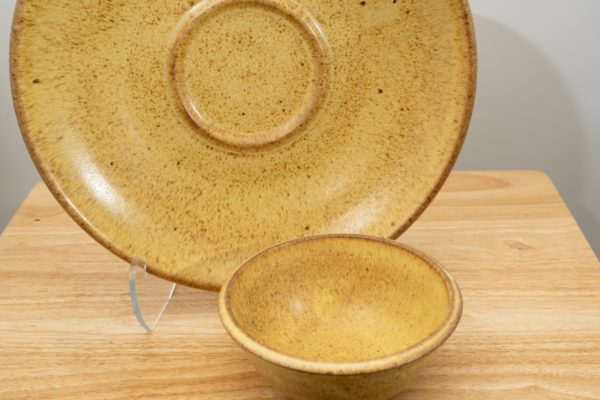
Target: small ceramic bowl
(340, 316)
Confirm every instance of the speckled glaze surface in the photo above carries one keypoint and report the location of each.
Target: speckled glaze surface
(194, 134)
(340, 316)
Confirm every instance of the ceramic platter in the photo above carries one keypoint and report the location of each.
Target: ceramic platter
(194, 134)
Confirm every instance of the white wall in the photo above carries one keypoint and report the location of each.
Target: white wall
(17, 174)
(538, 102)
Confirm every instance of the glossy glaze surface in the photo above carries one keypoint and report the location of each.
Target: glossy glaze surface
(194, 135)
(340, 317)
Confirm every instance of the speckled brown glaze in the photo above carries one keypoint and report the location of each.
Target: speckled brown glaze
(340, 317)
(194, 135)
(274, 97)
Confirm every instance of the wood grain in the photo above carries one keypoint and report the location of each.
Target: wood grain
(530, 329)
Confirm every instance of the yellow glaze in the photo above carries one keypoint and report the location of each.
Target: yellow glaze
(340, 316)
(194, 134)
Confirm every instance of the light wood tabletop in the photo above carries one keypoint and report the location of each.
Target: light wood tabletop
(530, 328)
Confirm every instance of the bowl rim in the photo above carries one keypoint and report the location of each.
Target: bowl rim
(418, 350)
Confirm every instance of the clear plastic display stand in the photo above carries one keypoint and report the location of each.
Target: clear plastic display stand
(150, 295)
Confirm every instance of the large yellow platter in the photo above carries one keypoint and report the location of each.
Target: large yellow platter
(195, 133)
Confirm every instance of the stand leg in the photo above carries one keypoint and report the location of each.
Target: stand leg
(150, 295)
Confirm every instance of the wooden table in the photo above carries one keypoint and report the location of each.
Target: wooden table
(530, 329)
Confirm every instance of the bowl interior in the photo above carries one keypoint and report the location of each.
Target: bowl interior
(338, 299)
